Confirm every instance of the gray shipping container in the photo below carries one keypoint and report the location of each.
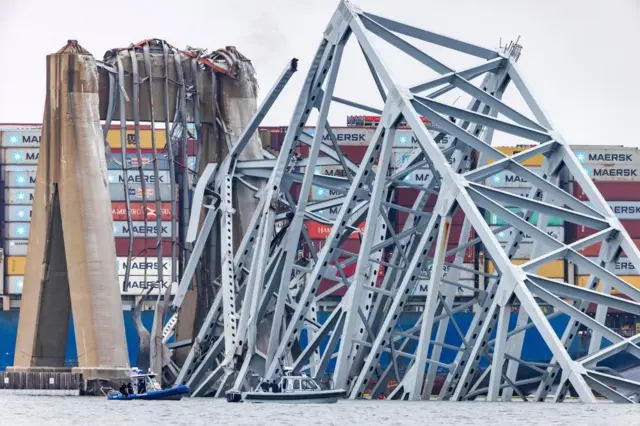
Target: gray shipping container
(14, 284)
(21, 137)
(19, 155)
(19, 168)
(16, 247)
(132, 161)
(17, 213)
(17, 230)
(603, 155)
(133, 176)
(121, 229)
(20, 179)
(18, 196)
(116, 191)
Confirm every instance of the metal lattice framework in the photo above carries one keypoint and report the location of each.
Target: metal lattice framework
(268, 295)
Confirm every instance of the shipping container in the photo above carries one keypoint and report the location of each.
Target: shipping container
(140, 264)
(19, 168)
(623, 267)
(346, 135)
(142, 246)
(19, 196)
(14, 265)
(132, 161)
(133, 176)
(513, 150)
(16, 247)
(144, 136)
(614, 172)
(553, 269)
(556, 232)
(509, 179)
(137, 286)
(23, 179)
(406, 197)
(494, 220)
(119, 211)
(318, 231)
(457, 220)
(594, 249)
(121, 229)
(14, 284)
(21, 138)
(116, 192)
(19, 156)
(612, 191)
(406, 139)
(625, 210)
(350, 245)
(418, 177)
(401, 157)
(191, 163)
(17, 213)
(16, 230)
(632, 227)
(606, 155)
(422, 287)
(634, 280)
(525, 250)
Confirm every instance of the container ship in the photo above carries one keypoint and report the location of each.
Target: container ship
(614, 169)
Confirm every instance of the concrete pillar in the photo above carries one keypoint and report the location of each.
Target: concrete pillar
(71, 260)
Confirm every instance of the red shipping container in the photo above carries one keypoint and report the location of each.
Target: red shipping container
(457, 220)
(119, 211)
(594, 249)
(350, 245)
(612, 191)
(142, 246)
(318, 231)
(632, 227)
(406, 197)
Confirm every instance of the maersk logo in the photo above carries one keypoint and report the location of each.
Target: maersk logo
(13, 139)
(407, 179)
(581, 156)
(311, 132)
(403, 140)
(615, 172)
(607, 157)
(21, 213)
(21, 231)
(320, 192)
(497, 179)
(21, 196)
(20, 284)
(587, 170)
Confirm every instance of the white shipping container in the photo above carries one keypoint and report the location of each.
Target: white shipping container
(613, 172)
(421, 288)
(20, 179)
(16, 247)
(623, 267)
(133, 176)
(556, 232)
(116, 192)
(19, 155)
(14, 284)
(17, 213)
(121, 229)
(19, 168)
(137, 286)
(600, 155)
(139, 265)
(346, 135)
(406, 138)
(320, 193)
(509, 179)
(17, 230)
(19, 196)
(21, 137)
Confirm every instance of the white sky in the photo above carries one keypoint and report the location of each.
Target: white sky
(581, 58)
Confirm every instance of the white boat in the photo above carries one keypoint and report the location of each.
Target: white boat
(289, 390)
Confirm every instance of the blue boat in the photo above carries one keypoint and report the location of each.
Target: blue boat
(145, 387)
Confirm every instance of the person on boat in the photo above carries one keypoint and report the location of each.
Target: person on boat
(123, 389)
(142, 386)
(129, 389)
(274, 387)
(264, 386)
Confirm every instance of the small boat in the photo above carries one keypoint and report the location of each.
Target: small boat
(291, 389)
(145, 387)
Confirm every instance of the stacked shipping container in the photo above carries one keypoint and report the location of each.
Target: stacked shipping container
(19, 158)
(616, 172)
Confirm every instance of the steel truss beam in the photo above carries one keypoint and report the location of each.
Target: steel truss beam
(265, 316)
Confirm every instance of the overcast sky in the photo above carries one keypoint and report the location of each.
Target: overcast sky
(580, 57)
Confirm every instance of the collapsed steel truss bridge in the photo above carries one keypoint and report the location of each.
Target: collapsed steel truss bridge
(264, 314)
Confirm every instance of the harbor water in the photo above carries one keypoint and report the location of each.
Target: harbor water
(34, 410)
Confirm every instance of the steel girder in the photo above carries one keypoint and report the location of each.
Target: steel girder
(265, 314)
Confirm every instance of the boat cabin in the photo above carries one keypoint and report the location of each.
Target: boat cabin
(143, 383)
(297, 384)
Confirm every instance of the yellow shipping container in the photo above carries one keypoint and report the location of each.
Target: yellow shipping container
(634, 280)
(15, 265)
(513, 150)
(113, 138)
(553, 269)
